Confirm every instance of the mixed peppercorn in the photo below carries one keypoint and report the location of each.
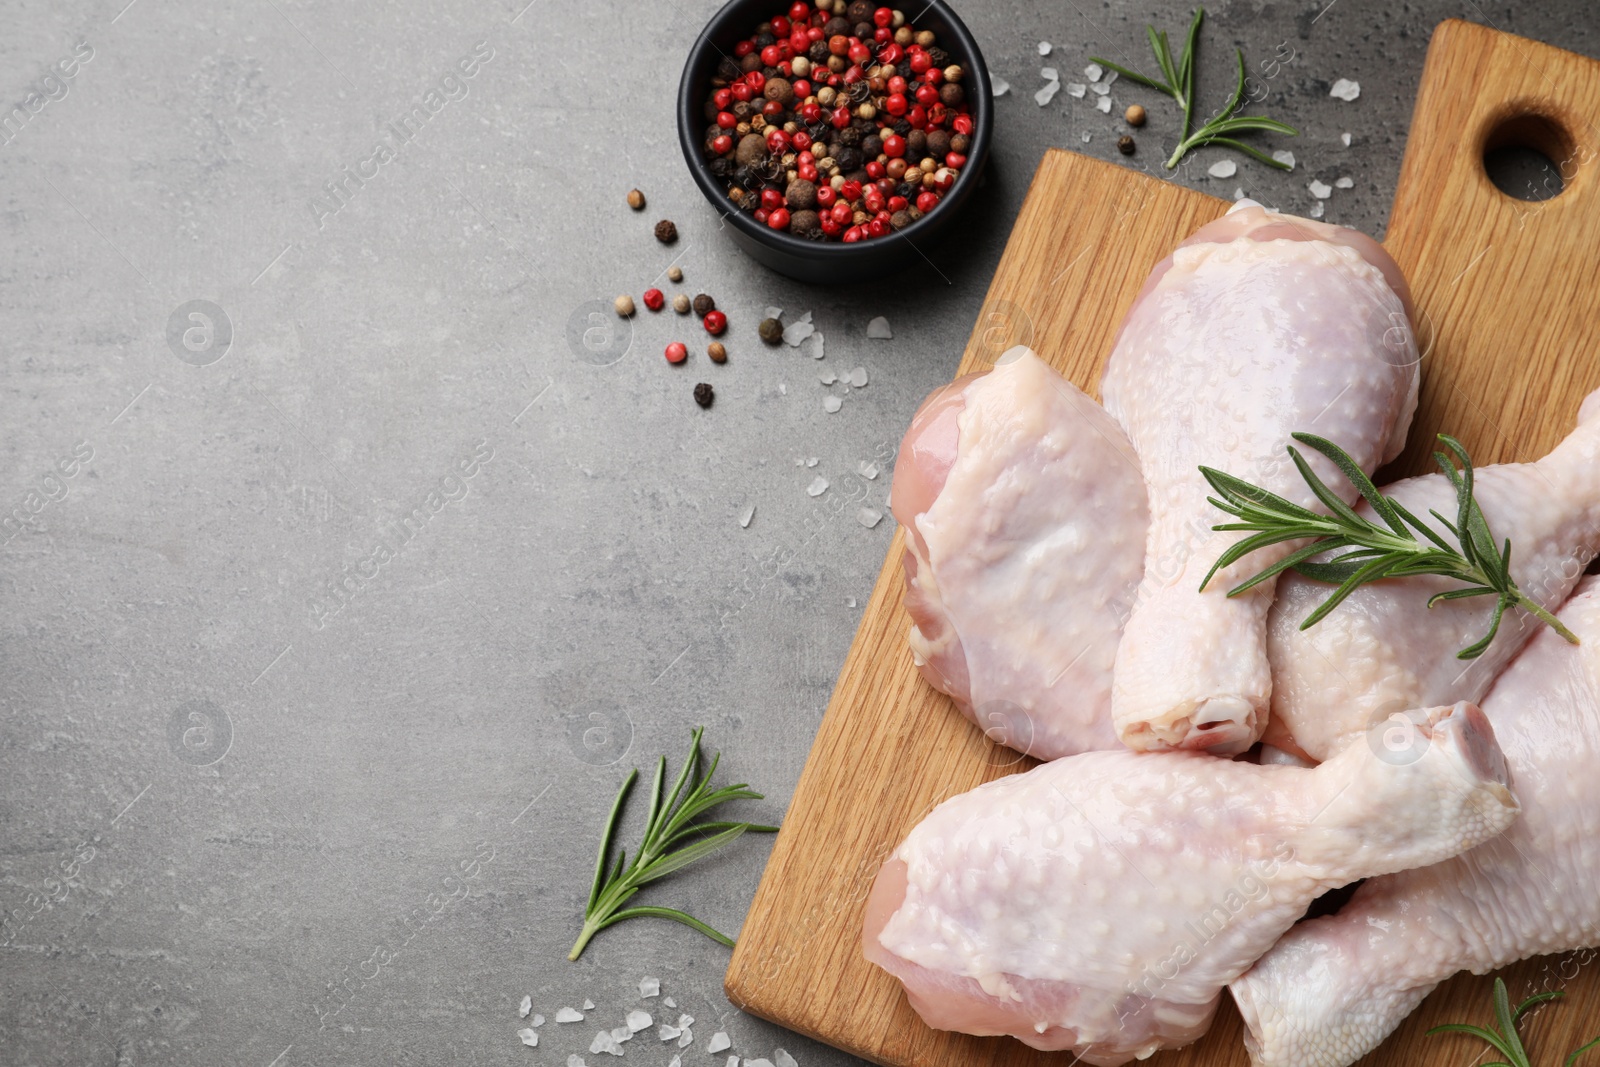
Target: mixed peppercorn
(839, 122)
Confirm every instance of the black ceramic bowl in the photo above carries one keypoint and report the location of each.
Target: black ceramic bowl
(831, 261)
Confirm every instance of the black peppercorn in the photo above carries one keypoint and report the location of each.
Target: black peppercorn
(729, 70)
(710, 111)
(721, 167)
(704, 394)
(864, 30)
(1125, 145)
(916, 144)
(666, 232)
(750, 62)
(871, 146)
(836, 27)
(765, 38)
(818, 52)
(703, 303)
(860, 11)
(909, 190)
(771, 330)
(848, 159)
(902, 127)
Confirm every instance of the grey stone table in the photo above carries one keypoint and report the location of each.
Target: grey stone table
(349, 564)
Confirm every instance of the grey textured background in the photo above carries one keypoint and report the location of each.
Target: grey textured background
(218, 803)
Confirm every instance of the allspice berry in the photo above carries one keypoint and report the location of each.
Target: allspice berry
(752, 150)
(779, 89)
(951, 94)
(717, 352)
(771, 331)
(900, 219)
(624, 305)
(801, 195)
(1125, 145)
(938, 144)
(1134, 116)
(805, 223)
(666, 232)
(636, 200)
(680, 304)
(704, 305)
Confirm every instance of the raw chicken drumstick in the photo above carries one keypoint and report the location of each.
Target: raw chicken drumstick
(1258, 326)
(1335, 987)
(1384, 649)
(1025, 523)
(1101, 902)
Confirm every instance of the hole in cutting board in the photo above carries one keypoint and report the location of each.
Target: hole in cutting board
(1528, 157)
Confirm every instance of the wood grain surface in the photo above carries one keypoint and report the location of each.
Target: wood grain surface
(1508, 297)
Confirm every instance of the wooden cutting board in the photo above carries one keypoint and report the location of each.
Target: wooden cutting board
(1508, 294)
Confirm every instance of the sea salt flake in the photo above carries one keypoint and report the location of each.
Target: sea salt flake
(588, 1005)
(649, 987)
(774, 313)
(1238, 192)
(783, 390)
(812, 462)
(1103, 105)
(1316, 210)
(538, 1020)
(1344, 183)
(1085, 136)
(621, 1034)
(569, 1015)
(718, 1042)
(1044, 48)
(1284, 156)
(796, 332)
(687, 1039)
(685, 1021)
(832, 404)
(818, 486)
(1345, 138)
(1044, 96)
(816, 345)
(1093, 72)
(669, 1002)
(1110, 77)
(733, 1061)
(1320, 190)
(1049, 74)
(1101, 88)
(744, 521)
(677, 1061)
(999, 86)
(525, 1008)
(867, 469)
(782, 1058)
(869, 517)
(1223, 168)
(575, 1060)
(828, 377)
(639, 1020)
(1076, 90)
(604, 1042)
(858, 378)
(667, 1032)
(849, 601)
(529, 1038)
(878, 330)
(1345, 89)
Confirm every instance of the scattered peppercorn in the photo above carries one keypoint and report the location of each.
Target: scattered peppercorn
(771, 331)
(717, 352)
(704, 394)
(624, 305)
(714, 322)
(636, 200)
(680, 304)
(654, 299)
(702, 304)
(1134, 116)
(666, 232)
(677, 352)
(675, 272)
(1125, 145)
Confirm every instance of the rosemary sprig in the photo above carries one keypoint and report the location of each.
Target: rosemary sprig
(1505, 1039)
(1390, 550)
(1179, 84)
(668, 822)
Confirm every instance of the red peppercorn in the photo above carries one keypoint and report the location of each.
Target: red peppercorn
(744, 48)
(854, 74)
(802, 89)
(722, 144)
(955, 160)
(853, 234)
(826, 195)
(927, 95)
(800, 139)
(840, 118)
(859, 53)
(894, 146)
(851, 190)
(677, 352)
(814, 34)
(770, 55)
(799, 12)
(722, 98)
(875, 170)
(963, 124)
(761, 215)
(811, 114)
(839, 44)
(934, 76)
(944, 178)
(829, 225)
(883, 16)
(895, 105)
(896, 84)
(779, 219)
(726, 120)
(777, 140)
(885, 185)
(882, 35)
(937, 113)
(897, 203)
(917, 116)
(926, 200)
(741, 91)
(890, 53)
(771, 198)
(654, 300)
(780, 27)
(757, 80)
(715, 322)
(806, 172)
(842, 213)
(772, 109)
(920, 61)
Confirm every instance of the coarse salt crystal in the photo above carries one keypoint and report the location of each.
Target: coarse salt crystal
(667, 1032)
(1316, 210)
(669, 1002)
(744, 520)
(878, 330)
(575, 1060)
(816, 345)
(718, 1042)
(1103, 105)
(828, 377)
(796, 332)
(1238, 193)
(867, 469)
(687, 1039)
(1049, 74)
(649, 987)
(812, 462)
(869, 517)
(1284, 156)
(1043, 96)
(604, 1042)
(1223, 168)
(1076, 90)
(529, 1038)
(527, 1006)
(774, 313)
(832, 404)
(818, 486)
(1344, 183)
(538, 1020)
(999, 86)
(1345, 89)
(1320, 190)
(685, 1021)
(1085, 136)
(677, 1061)
(1093, 72)
(569, 1015)
(782, 1058)
(588, 1005)
(733, 1061)
(1101, 88)
(639, 1020)
(621, 1034)
(1110, 77)
(858, 378)
(1044, 48)
(849, 601)
(783, 390)
(1345, 138)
